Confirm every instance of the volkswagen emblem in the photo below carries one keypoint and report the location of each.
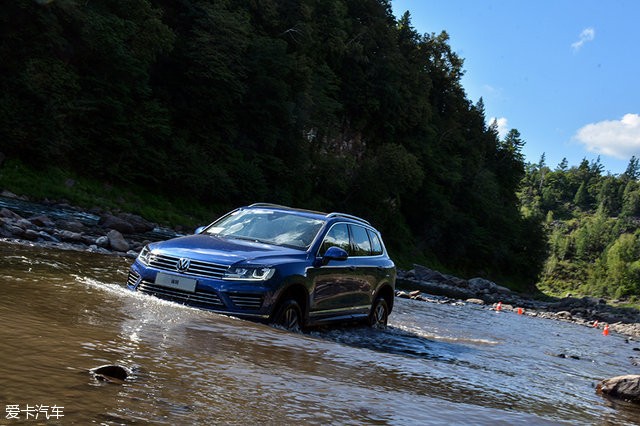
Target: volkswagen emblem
(183, 264)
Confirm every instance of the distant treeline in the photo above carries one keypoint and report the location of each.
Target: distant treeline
(322, 104)
(593, 222)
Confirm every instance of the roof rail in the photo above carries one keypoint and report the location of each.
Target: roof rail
(279, 206)
(349, 216)
(270, 205)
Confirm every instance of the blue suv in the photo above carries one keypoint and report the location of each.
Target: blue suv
(289, 267)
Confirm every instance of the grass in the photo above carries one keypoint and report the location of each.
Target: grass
(57, 185)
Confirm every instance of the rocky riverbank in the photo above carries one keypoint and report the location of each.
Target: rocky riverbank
(125, 234)
(421, 282)
(69, 228)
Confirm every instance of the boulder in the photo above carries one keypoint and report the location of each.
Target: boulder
(69, 236)
(110, 373)
(25, 224)
(622, 387)
(110, 221)
(102, 242)
(139, 224)
(71, 225)
(47, 237)
(6, 213)
(31, 235)
(14, 230)
(117, 241)
(42, 221)
(423, 273)
(479, 284)
(8, 194)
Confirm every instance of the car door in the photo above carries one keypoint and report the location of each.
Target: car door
(335, 290)
(364, 268)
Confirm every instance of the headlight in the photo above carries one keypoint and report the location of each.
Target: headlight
(249, 274)
(145, 255)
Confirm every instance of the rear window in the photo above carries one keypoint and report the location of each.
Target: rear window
(376, 244)
(361, 243)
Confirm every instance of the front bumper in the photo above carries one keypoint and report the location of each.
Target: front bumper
(237, 298)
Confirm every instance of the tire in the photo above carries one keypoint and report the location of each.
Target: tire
(379, 313)
(288, 316)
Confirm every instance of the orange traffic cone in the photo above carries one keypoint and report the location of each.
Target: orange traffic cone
(520, 311)
(605, 332)
(595, 324)
(499, 307)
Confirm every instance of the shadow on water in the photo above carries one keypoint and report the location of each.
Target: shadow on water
(395, 341)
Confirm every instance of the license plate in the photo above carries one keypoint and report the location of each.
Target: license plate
(174, 281)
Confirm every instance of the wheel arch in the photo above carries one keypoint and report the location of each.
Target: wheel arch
(386, 292)
(299, 293)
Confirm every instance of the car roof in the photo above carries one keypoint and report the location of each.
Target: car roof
(310, 212)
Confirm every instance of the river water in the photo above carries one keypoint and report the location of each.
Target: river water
(64, 313)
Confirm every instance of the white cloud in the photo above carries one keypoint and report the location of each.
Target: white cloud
(503, 126)
(614, 138)
(587, 35)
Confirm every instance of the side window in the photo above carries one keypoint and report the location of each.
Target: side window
(337, 236)
(376, 245)
(361, 243)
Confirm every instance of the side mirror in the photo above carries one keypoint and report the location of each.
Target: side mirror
(334, 253)
(199, 229)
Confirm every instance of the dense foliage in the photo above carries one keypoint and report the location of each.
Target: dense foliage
(330, 105)
(593, 226)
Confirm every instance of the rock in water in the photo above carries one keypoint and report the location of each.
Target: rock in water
(110, 373)
(622, 387)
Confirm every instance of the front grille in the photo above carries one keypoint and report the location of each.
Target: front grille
(246, 301)
(199, 299)
(196, 267)
(133, 278)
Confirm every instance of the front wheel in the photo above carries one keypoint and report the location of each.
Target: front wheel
(288, 316)
(379, 313)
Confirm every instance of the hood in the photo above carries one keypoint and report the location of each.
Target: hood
(221, 250)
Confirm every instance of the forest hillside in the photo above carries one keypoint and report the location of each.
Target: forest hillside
(328, 105)
(593, 226)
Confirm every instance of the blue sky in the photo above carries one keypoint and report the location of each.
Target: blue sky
(564, 73)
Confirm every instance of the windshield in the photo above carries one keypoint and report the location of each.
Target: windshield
(268, 226)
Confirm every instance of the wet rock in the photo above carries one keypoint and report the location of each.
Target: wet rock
(402, 294)
(6, 213)
(423, 273)
(46, 237)
(567, 356)
(476, 301)
(8, 194)
(139, 224)
(110, 373)
(102, 242)
(117, 241)
(89, 239)
(622, 387)
(31, 235)
(482, 285)
(69, 236)
(25, 224)
(110, 221)
(71, 225)
(14, 230)
(42, 221)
